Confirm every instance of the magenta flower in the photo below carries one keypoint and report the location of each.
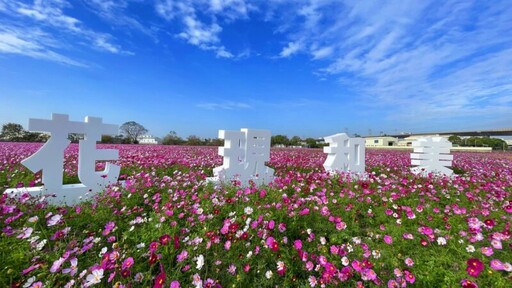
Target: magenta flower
(465, 283)
(388, 239)
(272, 244)
(153, 246)
(409, 277)
(108, 228)
(165, 239)
(297, 244)
(127, 263)
(160, 278)
(475, 267)
(175, 284)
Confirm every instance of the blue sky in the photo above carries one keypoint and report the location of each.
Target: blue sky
(307, 68)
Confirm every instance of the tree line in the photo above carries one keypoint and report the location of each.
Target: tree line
(486, 141)
(131, 131)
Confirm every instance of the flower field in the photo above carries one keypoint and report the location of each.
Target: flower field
(168, 227)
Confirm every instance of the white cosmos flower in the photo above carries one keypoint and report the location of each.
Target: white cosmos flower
(200, 262)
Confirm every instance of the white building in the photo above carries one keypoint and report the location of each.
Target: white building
(147, 139)
(380, 141)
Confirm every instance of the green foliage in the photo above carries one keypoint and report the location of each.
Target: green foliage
(132, 130)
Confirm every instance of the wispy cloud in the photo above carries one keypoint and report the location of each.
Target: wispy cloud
(204, 32)
(223, 105)
(418, 60)
(32, 43)
(47, 32)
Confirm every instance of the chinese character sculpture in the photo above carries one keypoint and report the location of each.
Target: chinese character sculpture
(245, 153)
(344, 154)
(50, 158)
(432, 156)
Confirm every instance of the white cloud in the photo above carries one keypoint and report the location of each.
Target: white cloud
(292, 48)
(47, 28)
(322, 52)
(224, 105)
(417, 60)
(27, 43)
(197, 33)
(204, 32)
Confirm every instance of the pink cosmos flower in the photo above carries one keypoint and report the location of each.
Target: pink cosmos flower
(341, 226)
(37, 284)
(496, 244)
(56, 264)
(108, 228)
(388, 239)
(271, 225)
(232, 269)
(297, 244)
(272, 244)
(153, 246)
(227, 245)
(94, 278)
(310, 265)
(54, 220)
(409, 262)
(368, 274)
(175, 284)
(27, 231)
(73, 269)
(409, 277)
(281, 268)
(487, 251)
(312, 281)
(496, 264)
(127, 263)
(182, 256)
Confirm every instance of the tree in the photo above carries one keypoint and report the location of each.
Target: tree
(279, 140)
(193, 140)
(295, 141)
(132, 130)
(12, 132)
(75, 137)
(312, 143)
(456, 140)
(172, 139)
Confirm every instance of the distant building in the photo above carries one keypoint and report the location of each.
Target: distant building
(380, 141)
(408, 140)
(509, 143)
(147, 139)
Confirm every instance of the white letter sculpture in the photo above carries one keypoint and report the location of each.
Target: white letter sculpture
(50, 158)
(245, 153)
(344, 154)
(433, 155)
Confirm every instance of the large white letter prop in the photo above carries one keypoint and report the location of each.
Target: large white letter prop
(433, 155)
(257, 152)
(344, 153)
(50, 159)
(233, 153)
(245, 153)
(97, 181)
